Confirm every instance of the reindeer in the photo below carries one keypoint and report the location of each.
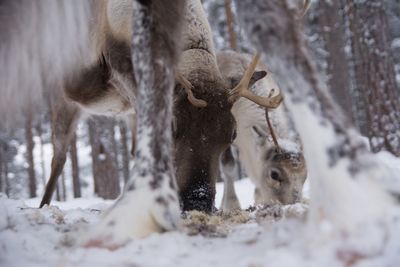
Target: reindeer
(103, 80)
(278, 171)
(200, 136)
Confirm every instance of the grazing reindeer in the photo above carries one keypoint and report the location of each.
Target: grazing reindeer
(277, 172)
(118, 62)
(199, 134)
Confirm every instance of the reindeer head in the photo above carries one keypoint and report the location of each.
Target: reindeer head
(283, 172)
(204, 125)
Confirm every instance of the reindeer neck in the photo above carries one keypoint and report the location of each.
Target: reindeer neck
(196, 31)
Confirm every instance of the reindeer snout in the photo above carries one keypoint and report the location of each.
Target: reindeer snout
(200, 198)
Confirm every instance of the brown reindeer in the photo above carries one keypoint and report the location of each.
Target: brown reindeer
(113, 68)
(202, 129)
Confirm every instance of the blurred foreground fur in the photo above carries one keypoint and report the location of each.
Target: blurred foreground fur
(40, 41)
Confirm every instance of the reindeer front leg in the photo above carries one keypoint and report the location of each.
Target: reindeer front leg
(150, 200)
(228, 169)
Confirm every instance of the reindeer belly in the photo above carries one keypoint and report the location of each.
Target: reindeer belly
(111, 104)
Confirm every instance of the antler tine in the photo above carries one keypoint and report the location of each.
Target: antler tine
(187, 86)
(241, 90)
(306, 6)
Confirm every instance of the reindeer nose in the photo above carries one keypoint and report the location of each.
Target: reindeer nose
(200, 198)
(296, 196)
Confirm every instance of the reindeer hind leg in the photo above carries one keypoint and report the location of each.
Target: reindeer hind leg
(64, 125)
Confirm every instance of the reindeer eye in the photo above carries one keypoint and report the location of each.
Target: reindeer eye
(234, 134)
(275, 176)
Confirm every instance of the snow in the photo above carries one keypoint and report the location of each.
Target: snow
(262, 236)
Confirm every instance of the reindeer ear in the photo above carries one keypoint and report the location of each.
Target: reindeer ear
(257, 75)
(260, 135)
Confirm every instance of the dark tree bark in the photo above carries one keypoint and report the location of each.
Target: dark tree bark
(113, 146)
(125, 150)
(393, 10)
(331, 27)
(29, 155)
(105, 171)
(93, 140)
(75, 168)
(4, 161)
(375, 81)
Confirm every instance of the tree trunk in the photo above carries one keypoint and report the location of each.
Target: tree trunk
(39, 130)
(375, 81)
(29, 155)
(105, 171)
(113, 143)
(125, 150)
(331, 28)
(75, 168)
(93, 140)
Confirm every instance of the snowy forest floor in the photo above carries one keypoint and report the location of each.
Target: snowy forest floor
(261, 236)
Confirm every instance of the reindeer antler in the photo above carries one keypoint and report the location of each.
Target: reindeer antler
(187, 86)
(241, 90)
(306, 6)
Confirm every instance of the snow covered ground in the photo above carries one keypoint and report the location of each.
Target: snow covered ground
(262, 236)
